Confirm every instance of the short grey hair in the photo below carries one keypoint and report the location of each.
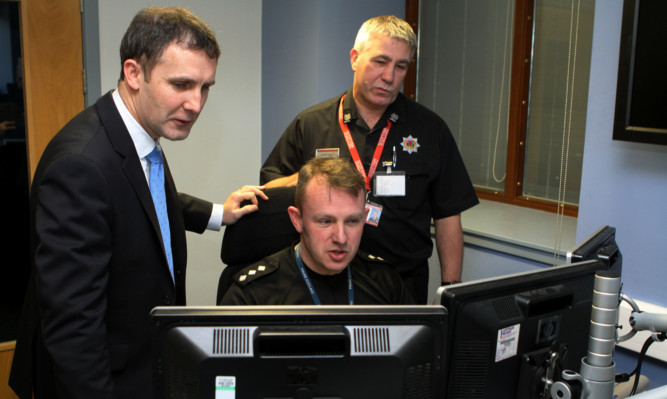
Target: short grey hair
(389, 25)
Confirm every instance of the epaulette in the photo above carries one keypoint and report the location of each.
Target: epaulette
(369, 257)
(255, 271)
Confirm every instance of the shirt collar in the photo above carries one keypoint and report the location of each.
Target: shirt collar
(143, 142)
(349, 106)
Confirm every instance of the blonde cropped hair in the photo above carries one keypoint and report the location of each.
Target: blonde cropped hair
(338, 173)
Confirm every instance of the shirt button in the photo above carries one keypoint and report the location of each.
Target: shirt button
(167, 300)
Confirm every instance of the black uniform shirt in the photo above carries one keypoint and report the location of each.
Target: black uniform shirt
(276, 280)
(437, 183)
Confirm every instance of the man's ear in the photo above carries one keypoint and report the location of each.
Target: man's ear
(295, 217)
(354, 55)
(133, 73)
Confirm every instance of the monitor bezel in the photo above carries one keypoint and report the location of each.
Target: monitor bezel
(589, 244)
(166, 318)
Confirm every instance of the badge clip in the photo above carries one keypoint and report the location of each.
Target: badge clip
(392, 163)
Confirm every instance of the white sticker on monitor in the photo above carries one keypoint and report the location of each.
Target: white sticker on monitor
(225, 387)
(508, 342)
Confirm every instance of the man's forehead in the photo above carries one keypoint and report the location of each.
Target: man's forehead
(319, 193)
(176, 48)
(380, 43)
(184, 63)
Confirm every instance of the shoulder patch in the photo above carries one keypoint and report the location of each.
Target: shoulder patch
(254, 272)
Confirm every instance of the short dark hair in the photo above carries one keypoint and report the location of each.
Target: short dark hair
(339, 173)
(153, 29)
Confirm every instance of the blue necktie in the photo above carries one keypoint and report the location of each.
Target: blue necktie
(156, 184)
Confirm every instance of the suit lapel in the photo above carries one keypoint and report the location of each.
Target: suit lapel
(122, 143)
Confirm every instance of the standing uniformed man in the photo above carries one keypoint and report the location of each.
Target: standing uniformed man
(406, 153)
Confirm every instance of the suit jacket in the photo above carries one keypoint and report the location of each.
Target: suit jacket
(99, 265)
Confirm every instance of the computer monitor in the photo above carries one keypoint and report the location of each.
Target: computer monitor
(502, 331)
(600, 245)
(313, 351)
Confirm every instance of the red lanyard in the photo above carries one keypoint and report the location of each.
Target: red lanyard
(353, 149)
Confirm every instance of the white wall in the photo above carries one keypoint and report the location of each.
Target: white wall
(306, 55)
(623, 184)
(223, 150)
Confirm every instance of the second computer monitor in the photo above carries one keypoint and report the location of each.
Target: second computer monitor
(504, 331)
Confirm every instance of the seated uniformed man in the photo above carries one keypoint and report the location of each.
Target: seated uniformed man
(325, 267)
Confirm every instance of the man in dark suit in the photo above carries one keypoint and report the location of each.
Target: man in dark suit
(100, 263)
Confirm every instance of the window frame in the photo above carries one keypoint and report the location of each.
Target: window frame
(518, 110)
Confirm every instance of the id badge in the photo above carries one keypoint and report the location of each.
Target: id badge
(389, 184)
(327, 153)
(374, 213)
